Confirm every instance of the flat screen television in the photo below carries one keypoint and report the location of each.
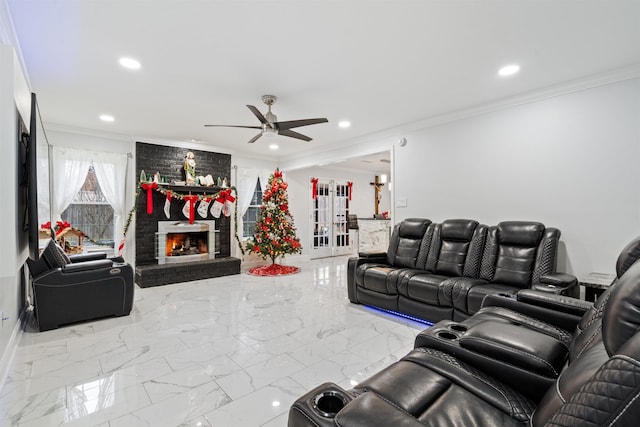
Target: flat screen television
(38, 209)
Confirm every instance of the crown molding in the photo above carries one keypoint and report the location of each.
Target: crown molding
(387, 137)
(134, 138)
(578, 85)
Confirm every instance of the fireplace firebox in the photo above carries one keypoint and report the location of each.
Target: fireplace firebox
(183, 242)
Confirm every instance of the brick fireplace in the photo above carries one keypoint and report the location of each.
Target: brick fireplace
(154, 270)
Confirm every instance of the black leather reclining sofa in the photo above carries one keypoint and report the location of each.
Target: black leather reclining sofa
(437, 271)
(542, 360)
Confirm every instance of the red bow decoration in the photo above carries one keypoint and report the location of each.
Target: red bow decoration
(149, 187)
(169, 195)
(225, 196)
(350, 185)
(46, 225)
(61, 226)
(277, 174)
(192, 202)
(314, 188)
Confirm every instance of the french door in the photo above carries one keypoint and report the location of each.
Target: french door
(329, 227)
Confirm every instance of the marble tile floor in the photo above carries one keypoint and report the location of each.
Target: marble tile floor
(226, 352)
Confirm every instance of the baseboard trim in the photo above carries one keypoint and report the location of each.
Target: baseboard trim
(12, 346)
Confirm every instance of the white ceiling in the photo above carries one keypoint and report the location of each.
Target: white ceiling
(379, 64)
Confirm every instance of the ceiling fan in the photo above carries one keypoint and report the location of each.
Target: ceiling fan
(271, 127)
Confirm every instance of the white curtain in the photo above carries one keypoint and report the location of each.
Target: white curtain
(70, 167)
(111, 171)
(264, 175)
(44, 208)
(246, 185)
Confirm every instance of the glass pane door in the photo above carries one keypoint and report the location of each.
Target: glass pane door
(321, 215)
(329, 213)
(340, 212)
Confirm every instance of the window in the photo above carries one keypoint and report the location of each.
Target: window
(90, 212)
(250, 217)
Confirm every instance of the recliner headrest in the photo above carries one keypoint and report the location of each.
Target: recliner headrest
(621, 318)
(413, 227)
(628, 256)
(54, 255)
(458, 229)
(521, 233)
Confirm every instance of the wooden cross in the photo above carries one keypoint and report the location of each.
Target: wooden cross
(377, 185)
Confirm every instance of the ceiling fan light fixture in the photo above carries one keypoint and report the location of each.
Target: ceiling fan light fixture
(344, 124)
(107, 118)
(269, 132)
(273, 147)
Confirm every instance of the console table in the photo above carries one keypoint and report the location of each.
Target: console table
(595, 284)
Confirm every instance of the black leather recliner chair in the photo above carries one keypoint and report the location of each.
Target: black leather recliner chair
(373, 276)
(78, 288)
(517, 255)
(598, 386)
(455, 250)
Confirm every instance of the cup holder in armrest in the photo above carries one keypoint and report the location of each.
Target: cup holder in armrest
(458, 327)
(446, 335)
(329, 403)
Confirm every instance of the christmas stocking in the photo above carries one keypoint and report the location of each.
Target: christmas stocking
(228, 201)
(188, 210)
(227, 207)
(167, 205)
(203, 207)
(185, 209)
(216, 207)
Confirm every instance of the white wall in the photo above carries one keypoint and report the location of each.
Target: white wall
(362, 203)
(569, 161)
(14, 92)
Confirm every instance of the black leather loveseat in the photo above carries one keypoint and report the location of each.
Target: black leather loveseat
(437, 271)
(501, 367)
(78, 288)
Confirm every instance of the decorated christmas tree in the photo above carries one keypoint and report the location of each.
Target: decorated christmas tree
(275, 234)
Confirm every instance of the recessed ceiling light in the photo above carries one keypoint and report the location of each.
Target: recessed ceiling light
(130, 63)
(508, 70)
(344, 124)
(106, 118)
(273, 146)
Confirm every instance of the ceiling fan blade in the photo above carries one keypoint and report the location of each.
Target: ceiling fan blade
(297, 123)
(258, 114)
(293, 134)
(231, 126)
(255, 138)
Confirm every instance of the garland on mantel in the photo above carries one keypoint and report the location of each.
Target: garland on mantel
(225, 193)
